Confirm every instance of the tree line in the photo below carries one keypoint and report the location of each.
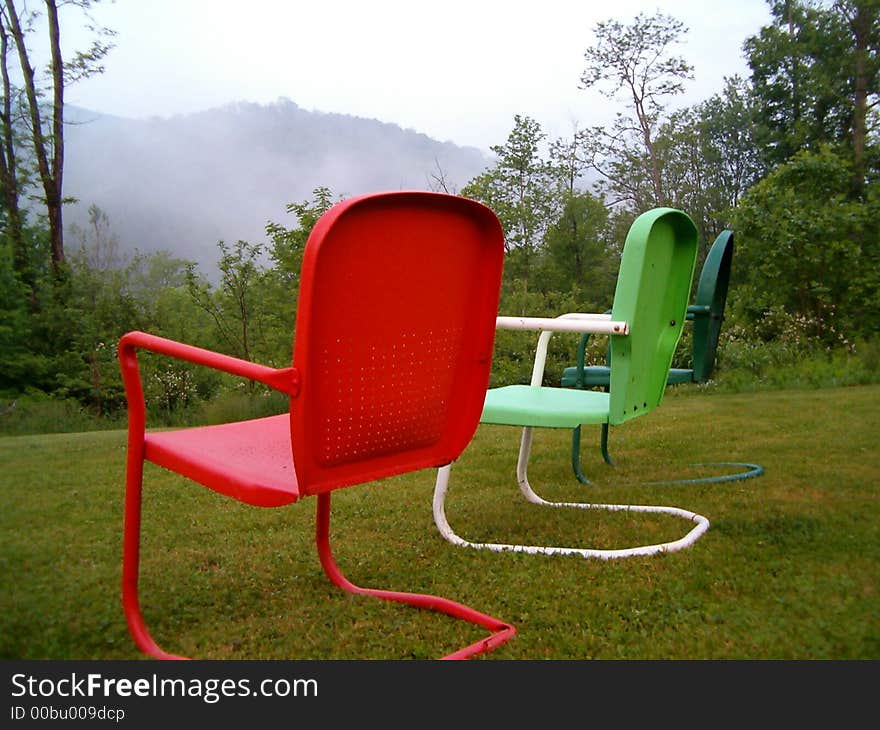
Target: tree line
(787, 158)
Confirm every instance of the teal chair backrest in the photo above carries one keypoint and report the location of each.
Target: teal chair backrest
(653, 286)
(709, 303)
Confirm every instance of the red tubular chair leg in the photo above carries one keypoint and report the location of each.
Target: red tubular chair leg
(131, 558)
(501, 631)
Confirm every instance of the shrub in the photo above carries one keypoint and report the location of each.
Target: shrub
(39, 413)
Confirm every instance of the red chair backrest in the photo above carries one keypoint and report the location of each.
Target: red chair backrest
(394, 335)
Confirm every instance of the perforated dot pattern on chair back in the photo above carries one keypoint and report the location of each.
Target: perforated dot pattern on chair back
(394, 335)
(389, 396)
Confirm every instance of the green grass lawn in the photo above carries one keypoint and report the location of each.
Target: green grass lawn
(789, 568)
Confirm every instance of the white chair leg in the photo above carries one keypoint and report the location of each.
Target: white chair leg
(441, 488)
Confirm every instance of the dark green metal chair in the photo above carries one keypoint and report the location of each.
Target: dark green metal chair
(707, 316)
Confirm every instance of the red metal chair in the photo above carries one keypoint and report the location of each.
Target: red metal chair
(392, 285)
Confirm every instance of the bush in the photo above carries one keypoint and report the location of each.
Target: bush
(39, 413)
(781, 352)
(239, 404)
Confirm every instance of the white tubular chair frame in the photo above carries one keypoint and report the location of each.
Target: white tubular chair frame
(571, 322)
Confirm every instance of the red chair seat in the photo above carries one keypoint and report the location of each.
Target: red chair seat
(250, 461)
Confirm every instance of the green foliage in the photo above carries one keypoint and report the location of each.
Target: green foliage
(802, 65)
(61, 330)
(237, 310)
(576, 252)
(35, 412)
(281, 284)
(781, 350)
(732, 158)
(709, 158)
(804, 245)
(19, 363)
(515, 349)
(235, 404)
(518, 187)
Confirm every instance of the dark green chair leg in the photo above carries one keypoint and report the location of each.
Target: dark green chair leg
(576, 456)
(604, 444)
(576, 453)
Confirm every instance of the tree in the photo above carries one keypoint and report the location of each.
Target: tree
(281, 285)
(21, 365)
(570, 159)
(681, 149)
(710, 158)
(288, 244)
(236, 305)
(69, 344)
(578, 253)
(816, 75)
(729, 147)
(98, 309)
(635, 60)
(519, 188)
(45, 123)
(805, 246)
(863, 21)
(9, 164)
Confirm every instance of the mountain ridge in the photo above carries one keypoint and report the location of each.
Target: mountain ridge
(182, 183)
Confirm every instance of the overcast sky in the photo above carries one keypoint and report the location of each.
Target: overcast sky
(456, 70)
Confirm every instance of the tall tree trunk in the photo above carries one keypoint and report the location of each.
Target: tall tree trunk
(648, 141)
(794, 74)
(56, 226)
(50, 171)
(9, 165)
(860, 22)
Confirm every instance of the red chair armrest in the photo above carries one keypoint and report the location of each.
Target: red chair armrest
(285, 380)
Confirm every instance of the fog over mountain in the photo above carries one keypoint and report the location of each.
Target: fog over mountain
(186, 182)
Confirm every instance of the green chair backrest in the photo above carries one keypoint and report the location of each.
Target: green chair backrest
(653, 286)
(708, 309)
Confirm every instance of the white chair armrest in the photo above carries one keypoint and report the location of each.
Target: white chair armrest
(570, 322)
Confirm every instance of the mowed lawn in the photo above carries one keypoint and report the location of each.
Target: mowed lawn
(789, 568)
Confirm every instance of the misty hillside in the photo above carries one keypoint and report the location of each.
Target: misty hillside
(185, 182)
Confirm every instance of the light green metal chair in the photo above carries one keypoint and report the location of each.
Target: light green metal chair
(644, 326)
(706, 315)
